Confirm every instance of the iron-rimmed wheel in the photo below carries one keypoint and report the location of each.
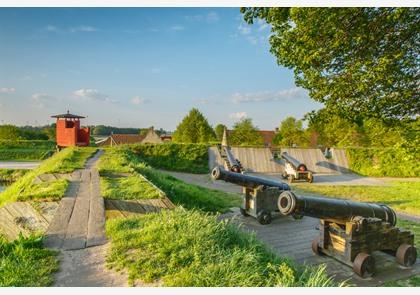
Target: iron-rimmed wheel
(406, 255)
(243, 212)
(291, 178)
(264, 217)
(310, 178)
(364, 265)
(315, 246)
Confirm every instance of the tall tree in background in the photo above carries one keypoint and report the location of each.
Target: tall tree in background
(292, 133)
(245, 133)
(218, 130)
(10, 132)
(194, 128)
(359, 62)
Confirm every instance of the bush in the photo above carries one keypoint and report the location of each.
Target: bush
(395, 162)
(189, 248)
(188, 157)
(24, 263)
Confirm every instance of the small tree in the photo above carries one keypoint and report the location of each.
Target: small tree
(292, 132)
(194, 128)
(245, 133)
(10, 132)
(218, 130)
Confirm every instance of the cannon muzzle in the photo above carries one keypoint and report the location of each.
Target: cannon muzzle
(246, 180)
(336, 209)
(234, 163)
(298, 166)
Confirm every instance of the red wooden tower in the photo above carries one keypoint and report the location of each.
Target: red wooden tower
(68, 131)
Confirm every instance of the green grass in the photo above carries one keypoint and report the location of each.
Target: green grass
(123, 160)
(24, 263)
(10, 175)
(183, 157)
(402, 196)
(132, 187)
(190, 248)
(26, 149)
(65, 161)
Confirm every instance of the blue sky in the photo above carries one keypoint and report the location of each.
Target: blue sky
(140, 67)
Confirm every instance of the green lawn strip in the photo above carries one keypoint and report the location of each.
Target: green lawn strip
(65, 161)
(24, 263)
(191, 248)
(10, 175)
(182, 157)
(123, 160)
(402, 196)
(25, 154)
(133, 187)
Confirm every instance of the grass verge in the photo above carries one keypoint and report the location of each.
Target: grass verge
(190, 248)
(26, 149)
(24, 263)
(11, 175)
(402, 196)
(65, 161)
(123, 160)
(133, 187)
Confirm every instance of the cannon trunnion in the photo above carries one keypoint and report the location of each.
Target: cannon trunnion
(351, 231)
(260, 195)
(294, 170)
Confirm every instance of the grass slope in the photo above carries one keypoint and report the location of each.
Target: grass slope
(10, 175)
(190, 248)
(132, 187)
(65, 161)
(24, 263)
(402, 196)
(26, 149)
(123, 160)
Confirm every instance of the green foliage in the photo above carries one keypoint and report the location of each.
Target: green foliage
(218, 130)
(65, 161)
(398, 161)
(400, 195)
(359, 61)
(188, 248)
(244, 133)
(10, 132)
(192, 158)
(11, 175)
(124, 160)
(26, 149)
(292, 133)
(107, 130)
(194, 128)
(24, 263)
(133, 187)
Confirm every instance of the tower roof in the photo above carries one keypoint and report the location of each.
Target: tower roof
(68, 115)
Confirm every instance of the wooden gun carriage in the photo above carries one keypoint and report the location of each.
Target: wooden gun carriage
(294, 170)
(351, 231)
(260, 195)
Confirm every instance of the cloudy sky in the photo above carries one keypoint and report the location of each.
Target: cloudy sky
(138, 67)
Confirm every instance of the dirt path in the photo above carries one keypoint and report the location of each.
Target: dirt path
(78, 232)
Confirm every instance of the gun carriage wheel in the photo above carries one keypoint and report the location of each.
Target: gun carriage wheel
(406, 255)
(243, 212)
(315, 246)
(364, 265)
(264, 217)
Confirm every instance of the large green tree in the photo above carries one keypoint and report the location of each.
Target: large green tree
(194, 128)
(10, 132)
(218, 130)
(359, 62)
(245, 133)
(292, 133)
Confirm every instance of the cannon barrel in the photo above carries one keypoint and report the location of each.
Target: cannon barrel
(294, 162)
(246, 180)
(233, 162)
(337, 209)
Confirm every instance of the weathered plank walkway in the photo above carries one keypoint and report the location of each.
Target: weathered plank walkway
(80, 218)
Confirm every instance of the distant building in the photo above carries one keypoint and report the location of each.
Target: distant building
(69, 132)
(118, 139)
(166, 137)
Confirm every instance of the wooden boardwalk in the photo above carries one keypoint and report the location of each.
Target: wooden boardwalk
(80, 218)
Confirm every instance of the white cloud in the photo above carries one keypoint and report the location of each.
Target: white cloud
(177, 28)
(137, 100)
(211, 17)
(92, 94)
(7, 90)
(262, 25)
(51, 28)
(267, 96)
(244, 29)
(40, 100)
(83, 29)
(238, 115)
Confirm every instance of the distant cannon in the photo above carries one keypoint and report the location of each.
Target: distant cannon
(259, 194)
(234, 164)
(294, 170)
(351, 231)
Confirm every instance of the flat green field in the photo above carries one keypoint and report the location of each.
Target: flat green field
(402, 196)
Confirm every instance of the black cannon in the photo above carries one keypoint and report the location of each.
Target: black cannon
(294, 170)
(259, 194)
(351, 231)
(234, 164)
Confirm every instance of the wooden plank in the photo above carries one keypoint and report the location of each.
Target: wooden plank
(57, 229)
(7, 224)
(111, 211)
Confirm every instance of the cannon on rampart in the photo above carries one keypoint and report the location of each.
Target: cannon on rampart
(295, 170)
